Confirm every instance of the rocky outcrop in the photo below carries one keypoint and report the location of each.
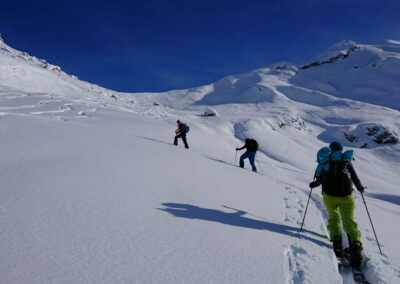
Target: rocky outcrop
(381, 135)
(342, 55)
(295, 122)
(366, 134)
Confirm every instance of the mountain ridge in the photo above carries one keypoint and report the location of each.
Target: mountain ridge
(346, 69)
(282, 92)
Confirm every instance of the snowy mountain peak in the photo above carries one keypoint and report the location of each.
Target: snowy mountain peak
(284, 67)
(24, 72)
(338, 51)
(3, 44)
(343, 45)
(368, 73)
(5, 47)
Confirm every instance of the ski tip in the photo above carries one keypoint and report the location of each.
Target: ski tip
(359, 277)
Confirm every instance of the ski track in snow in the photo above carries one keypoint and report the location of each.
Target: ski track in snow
(298, 256)
(297, 274)
(295, 255)
(374, 269)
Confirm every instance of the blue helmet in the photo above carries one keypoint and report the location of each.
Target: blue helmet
(336, 146)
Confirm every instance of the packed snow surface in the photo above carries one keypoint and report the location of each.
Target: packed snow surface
(94, 192)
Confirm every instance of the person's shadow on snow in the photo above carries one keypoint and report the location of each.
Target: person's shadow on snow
(239, 220)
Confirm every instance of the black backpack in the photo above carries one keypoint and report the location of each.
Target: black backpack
(186, 128)
(252, 146)
(337, 181)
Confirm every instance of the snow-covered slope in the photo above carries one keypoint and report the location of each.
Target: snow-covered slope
(93, 192)
(368, 73)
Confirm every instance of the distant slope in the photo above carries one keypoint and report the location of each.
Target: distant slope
(367, 73)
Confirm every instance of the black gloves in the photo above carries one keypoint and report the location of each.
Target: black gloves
(360, 188)
(314, 184)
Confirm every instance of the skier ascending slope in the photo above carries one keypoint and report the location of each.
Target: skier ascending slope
(252, 146)
(180, 132)
(336, 173)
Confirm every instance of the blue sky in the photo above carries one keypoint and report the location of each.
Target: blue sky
(157, 45)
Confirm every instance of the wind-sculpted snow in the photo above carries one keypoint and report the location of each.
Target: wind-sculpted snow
(389, 45)
(239, 89)
(309, 97)
(94, 192)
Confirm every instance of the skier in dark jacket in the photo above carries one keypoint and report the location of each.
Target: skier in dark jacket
(180, 132)
(251, 146)
(338, 197)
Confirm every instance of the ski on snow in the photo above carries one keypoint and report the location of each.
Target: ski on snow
(358, 275)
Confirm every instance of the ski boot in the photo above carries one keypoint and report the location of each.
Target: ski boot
(356, 249)
(337, 246)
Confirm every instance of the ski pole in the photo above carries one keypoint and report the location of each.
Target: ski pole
(372, 225)
(305, 212)
(258, 162)
(235, 158)
(308, 201)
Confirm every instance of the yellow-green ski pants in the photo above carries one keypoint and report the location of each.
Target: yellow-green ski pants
(341, 209)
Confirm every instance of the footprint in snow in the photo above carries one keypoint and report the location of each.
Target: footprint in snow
(84, 113)
(295, 272)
